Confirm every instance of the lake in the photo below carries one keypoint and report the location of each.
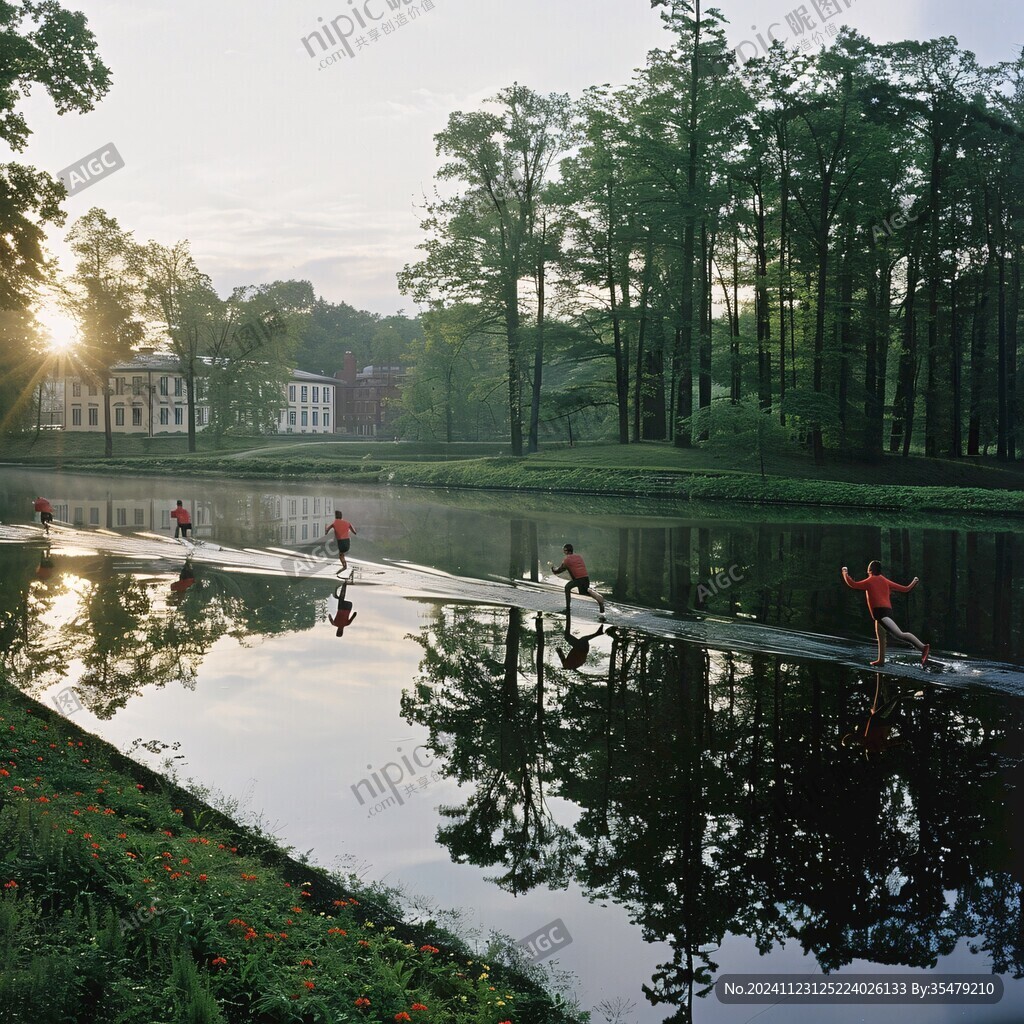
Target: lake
(684, 812)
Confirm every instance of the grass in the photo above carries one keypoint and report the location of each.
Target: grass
(915, 484)
(125, 899)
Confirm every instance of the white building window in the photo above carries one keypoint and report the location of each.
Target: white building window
(136, 417)
(165, 417)
(94, 417)
(119, 417)
(316, 394)
(291, 392)
(305, 393)
(178, 419)
(76, 416)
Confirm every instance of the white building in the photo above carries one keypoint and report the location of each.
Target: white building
(147, 396)
(310, 408)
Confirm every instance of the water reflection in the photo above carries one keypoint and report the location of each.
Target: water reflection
(343, 615)
(714, 797)
(876, 736)
(128, 630)
(780, 573)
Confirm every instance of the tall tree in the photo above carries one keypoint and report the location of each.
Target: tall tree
(104, 295)
(480, 244)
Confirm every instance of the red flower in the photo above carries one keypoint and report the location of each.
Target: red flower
(429, 949)
(218, 961)
(402, 1016)
(337, 931)
(12, 884)
(202, 878)
(362, 1001)
(309, 985)
(306, 963)
(418, 1006)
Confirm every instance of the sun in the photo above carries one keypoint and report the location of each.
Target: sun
(60, 333)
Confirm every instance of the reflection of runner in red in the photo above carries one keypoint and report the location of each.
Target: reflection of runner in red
(579, 580)
(877, 735)
(579, 647)
(186, 578)
(342, 528)
(183, 519)
(45, 569)
(344, 616)
(45, 510)
(877, 589)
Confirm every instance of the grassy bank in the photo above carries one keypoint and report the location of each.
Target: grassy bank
(923, 486)
(126, 900)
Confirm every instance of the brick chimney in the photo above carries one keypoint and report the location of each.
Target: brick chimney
(348, 375)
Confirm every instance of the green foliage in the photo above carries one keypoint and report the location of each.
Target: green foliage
(126, 900)
(744, 432)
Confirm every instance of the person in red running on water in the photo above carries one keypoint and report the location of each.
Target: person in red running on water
(342, 528)
(183, 519)
(45, 510)
(579, 580)
(877, 589)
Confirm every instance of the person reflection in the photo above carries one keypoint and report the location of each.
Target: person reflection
(185, 579)
(579, 646)
(45, 568)
(344, 616)
(876, 736)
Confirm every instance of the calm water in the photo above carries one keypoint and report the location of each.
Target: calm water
(685, 813)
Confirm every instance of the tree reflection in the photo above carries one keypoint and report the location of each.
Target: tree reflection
(128, 630)
(715, 796)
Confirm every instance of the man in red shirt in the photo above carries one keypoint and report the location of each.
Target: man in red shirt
(342, 528)
(877, 589)
(45, 510)
(183, 519)
(579, 580)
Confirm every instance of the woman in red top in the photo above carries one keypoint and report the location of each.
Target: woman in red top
(877, 589)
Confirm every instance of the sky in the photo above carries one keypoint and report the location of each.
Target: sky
(275, 167)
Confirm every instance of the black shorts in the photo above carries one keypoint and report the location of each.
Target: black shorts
(581, 583)
(46, 517)
(183, 527)
(880, 613)
(344, 545)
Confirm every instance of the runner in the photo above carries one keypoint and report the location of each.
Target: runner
(573, 564)
(344, 616)
(342, 528)
(45, 510)
(183, 519)
(877, 589)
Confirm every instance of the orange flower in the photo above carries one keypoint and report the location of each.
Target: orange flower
(418, 1006)
(306, 963)
(402, 1016)
(218, 961)
(429, 949)
(309, 985)
(362, 1001)
(202, 878)
(12, 884)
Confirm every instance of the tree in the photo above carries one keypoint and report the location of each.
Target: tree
(42, 44)
(481, 242)
(104, 296)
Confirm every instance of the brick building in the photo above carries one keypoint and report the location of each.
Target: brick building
(367, 401)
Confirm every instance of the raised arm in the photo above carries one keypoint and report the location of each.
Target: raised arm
(560, 568)
(852, 583)
(901, 589)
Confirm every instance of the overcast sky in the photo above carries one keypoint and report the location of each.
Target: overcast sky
(273, 167)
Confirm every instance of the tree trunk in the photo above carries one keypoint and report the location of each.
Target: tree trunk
(538, 350)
